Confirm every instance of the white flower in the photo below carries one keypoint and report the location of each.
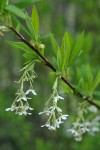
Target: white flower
(32, 91)
(64, 117)
(51, 128)
(2, 27)
(76, 124)
(58, 122)
(88, 124)
(73, 131)
(8, 109)
(97, 118)
(60, 97)
(58, 109)
(45, 125)
(57, 98)
(93, 109)
(85, 129)
(26, 107)
(46, 111)
(29, 113)
(95, 129)
(30, 108)
(11, 109)
(23, 98)
(78, 138)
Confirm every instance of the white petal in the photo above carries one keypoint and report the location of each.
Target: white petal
(60, 97)
(7, 109)
(34, 93)
(20, 113)
(58, 109)
(29, 113)
(27, 92)
(40, 113)
(52, 128)
(3, 27)
(55, 99)
(29, 98)
(13, 107)
(24, 112)
(18, 99)
(42, 126)
(24, 98)
(45, 125)
(31, 108)
(64, 117)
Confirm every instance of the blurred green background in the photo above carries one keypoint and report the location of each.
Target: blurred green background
(25, 133)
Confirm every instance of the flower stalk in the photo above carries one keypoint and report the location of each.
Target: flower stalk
(21, 104)
(54, 113)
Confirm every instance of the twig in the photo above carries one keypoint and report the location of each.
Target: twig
(47, 63)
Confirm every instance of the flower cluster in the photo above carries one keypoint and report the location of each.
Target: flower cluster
(80, 127)
(78, 130)
(20, 104)
(54, 113)
(94, 124)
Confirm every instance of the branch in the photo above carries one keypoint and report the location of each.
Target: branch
(48, 64)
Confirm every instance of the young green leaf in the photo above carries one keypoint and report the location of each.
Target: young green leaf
(30, 27)
(89, 76)
(15, 22)
(96, 81)
(77, 49)
(20, 45)
(35, 21)
(97, 93)
(65, 51)
(30, 56)
(59, 60)
(25, 30)
(3, 3)
(26, 3)
(15, 10)
(54, 44)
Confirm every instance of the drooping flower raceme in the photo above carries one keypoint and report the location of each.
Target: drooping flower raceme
(21, 104)
(54, 113)
(91, 125)
(79, 129)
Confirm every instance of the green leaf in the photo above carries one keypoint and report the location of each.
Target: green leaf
(59, 60)
(15, 22)
(65, 51)
(96, 81)
(15, 10)
(20, 45)
(96, 93)
(66, 88)
(35, 21)
(54, 44)
(25, 30)
(26, 3)
(45, 36)
(30, 55)
(77, 49)
(89, 76)
(30, 27)
(3, 3)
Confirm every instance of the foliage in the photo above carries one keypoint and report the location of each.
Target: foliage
(70, 65)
